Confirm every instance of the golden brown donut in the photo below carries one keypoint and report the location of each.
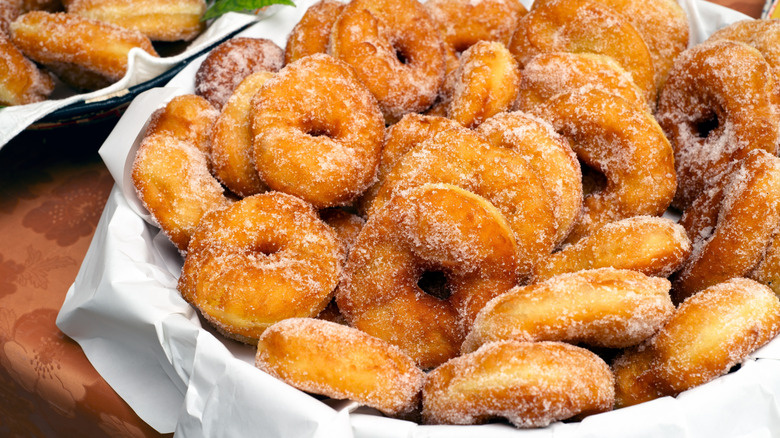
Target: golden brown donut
(549, 155)
(719, 103)
(21, 81)
(486, 83)
(340, 362)
(265, 258)
(463, 158)
(230, 62)
(435, 233)
(317, 132)
(549, 74)
(584, 26)
(603, 307)
(709, 333)
(177, 200)
(232, 148)
(761, 34)
(623, 143)
(312, 33)
(662, 24)
(463, 23)
(731, 226)
(531, 384)
(160, 20)
(651, 245)
(404, 67)
(69, 41)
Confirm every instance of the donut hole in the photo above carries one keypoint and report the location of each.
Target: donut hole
(593, 181)
(266, 248)
(434, 283)
(317, 129)
(401, 53)
(704, 126)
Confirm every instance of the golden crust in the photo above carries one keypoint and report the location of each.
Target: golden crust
(159, 20)
(308, 145)
(768, 269)
(393, 29)
(602, 307)
(463, 23)
(340, 362)
(66, 39)
(623, 143)
(21, 81)
(731, 226)
(761, 34)
(312, 33)
(720, 101)
(530, 384)
(429, 228)
(650, 245)
(263, 259)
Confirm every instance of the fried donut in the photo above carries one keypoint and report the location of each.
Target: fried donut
(21, 81)
(532, 384)
(549, 74)
(731, 227)
(317, 132)
(602, 307)
(622, 142)
(434, 234)
(177, 200)
(232, 149)
(763, 35)
(463, 158)
(719, 103)
(585, 26)
(395, 50)
(340, 362)
(486, 84)
(312, 33)
(230, 62)
(650, 245)
(159, 20)
(189, 118)
(549, 155)
(265, 258)
(63, 41)
(709, 333)
(463, 23)
(662, 24)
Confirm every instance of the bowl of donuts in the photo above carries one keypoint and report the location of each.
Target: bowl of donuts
(450, 218)
(66, 61)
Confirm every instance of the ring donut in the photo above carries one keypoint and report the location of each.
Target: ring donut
(317, 132)
(761, 34)
(427, 233)
(312, 33)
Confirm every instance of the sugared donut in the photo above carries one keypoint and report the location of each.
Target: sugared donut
(232, 149)
(453, 241)
(720, 101)
(585, 26)
(709, 333)
(604, 307)
(230, 62)
(265, 258)
(463, 23)
(549, 74)
(623, 143)
(72, 45)
(762, 34)
(160, 20)
(312, 33)
(486, 83)
(462, 157)
(651, 245)
(340, 362)
(177, 200)
(317, 132)
(531, 384)
(395, 50)
(21, 81)
(662, 24)
(549, 155)
(731, 226)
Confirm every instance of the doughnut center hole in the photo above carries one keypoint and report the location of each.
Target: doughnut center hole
(266, 248)
(434, 283)
(316, 129)
(704, 126)
(593, 181)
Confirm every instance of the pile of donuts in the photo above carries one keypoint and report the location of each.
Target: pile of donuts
(460, 212)
(83, 43)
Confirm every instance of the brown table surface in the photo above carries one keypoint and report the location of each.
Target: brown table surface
(53, 187)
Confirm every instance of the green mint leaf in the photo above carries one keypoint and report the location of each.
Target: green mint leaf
(220, 7)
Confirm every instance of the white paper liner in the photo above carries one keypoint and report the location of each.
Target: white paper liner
(141, 68)
(179, 376)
